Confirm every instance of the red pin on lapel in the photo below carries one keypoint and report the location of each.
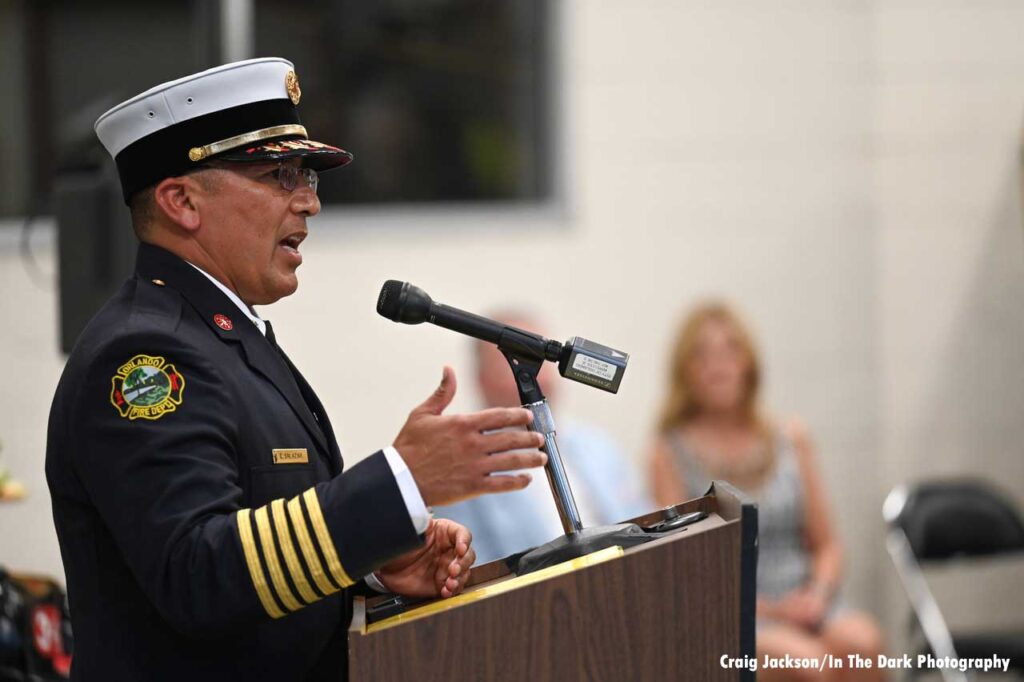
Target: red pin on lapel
(223, 321)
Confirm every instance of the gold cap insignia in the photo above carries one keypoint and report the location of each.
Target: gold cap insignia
(291, 84)
(196, 154)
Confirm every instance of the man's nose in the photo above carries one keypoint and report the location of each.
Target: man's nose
(305, 201)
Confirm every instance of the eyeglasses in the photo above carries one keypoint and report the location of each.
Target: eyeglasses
(289, 177)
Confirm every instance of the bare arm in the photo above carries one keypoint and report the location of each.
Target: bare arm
(822, 542)
(666, 481)
(806, 606)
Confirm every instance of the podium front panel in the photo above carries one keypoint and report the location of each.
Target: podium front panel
(669, 609)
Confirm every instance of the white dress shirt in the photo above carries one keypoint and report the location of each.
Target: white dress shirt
(414, 504)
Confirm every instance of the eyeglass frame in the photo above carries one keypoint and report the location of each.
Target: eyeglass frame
(288, 180)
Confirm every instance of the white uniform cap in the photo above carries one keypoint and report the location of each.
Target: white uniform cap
(218, 113)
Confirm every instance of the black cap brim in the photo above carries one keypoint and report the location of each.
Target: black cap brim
(316, 155)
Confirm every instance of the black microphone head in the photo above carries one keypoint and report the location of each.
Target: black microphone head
(387, 301)
(403, 302)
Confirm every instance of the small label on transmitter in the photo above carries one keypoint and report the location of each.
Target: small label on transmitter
(594, 367)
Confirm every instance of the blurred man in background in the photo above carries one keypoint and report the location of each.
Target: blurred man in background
(604, 483)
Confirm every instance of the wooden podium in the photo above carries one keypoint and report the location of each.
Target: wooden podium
(665, 610)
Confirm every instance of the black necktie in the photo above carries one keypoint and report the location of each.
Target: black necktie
(270, 334)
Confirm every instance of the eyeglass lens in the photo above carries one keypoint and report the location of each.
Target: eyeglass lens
(289, 176)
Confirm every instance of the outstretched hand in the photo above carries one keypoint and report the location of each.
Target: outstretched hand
(439, 568)
(455, 457)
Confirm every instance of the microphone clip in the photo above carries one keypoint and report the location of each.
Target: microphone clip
(526, 354)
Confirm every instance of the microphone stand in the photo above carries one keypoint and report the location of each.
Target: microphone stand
(526, 371)
(526, 362)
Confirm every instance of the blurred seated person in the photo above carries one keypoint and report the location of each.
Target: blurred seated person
(606, 486)
(711, 427)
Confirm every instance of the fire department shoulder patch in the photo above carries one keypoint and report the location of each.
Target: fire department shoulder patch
(146, 387)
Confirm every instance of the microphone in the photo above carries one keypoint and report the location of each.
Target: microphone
(578, 359)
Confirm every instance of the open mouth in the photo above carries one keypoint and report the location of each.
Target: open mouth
(292, 241)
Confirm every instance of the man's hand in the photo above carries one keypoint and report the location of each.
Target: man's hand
(451, 457)
(439, 567)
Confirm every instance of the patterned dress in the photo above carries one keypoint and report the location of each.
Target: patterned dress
(783, 562)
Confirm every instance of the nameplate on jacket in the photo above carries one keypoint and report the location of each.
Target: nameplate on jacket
(290, 456)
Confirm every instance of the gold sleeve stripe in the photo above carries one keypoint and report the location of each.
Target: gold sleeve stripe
(316, 516)
(291, 559)
(252, 560)
(316, 569)
(273, 565)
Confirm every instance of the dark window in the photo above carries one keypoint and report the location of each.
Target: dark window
(68, 62)
(439, 100)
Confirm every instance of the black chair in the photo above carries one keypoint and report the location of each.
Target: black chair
(940, 521)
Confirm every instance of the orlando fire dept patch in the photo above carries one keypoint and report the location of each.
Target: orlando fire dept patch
(146, 387)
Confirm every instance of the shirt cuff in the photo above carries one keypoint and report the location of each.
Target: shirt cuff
(374, 583)
(414, 504)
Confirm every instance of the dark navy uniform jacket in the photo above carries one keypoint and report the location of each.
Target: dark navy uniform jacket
(206, 527)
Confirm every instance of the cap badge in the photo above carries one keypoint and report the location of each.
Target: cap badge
(146, 387)
(223, 321)
(291, 84)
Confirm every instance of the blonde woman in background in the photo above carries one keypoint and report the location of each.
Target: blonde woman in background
(711, 427)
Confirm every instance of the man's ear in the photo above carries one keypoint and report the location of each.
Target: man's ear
(176, 199)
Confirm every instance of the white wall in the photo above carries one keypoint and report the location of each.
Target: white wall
(30, 366)
(838, 169)
(946, 133)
